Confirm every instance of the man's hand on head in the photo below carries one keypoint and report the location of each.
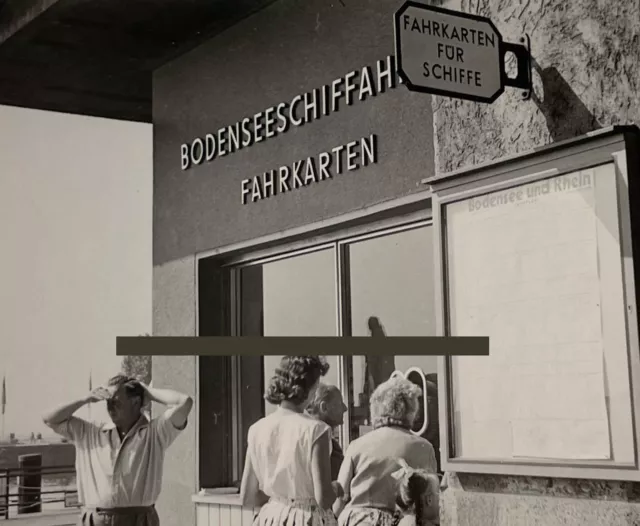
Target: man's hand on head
(146, 399)
(99, 394)
(140, 380)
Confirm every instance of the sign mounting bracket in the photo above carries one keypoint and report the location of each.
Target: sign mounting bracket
(523, 79)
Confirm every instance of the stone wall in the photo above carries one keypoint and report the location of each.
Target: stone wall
(586, 76)
(586, 55)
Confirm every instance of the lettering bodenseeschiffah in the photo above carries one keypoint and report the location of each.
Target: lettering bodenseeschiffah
(302, 109)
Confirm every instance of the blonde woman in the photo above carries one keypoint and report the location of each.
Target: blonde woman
(368, 475)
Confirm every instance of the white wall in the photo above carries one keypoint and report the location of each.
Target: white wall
(75, 256)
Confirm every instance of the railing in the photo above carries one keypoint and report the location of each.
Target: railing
(9, 499)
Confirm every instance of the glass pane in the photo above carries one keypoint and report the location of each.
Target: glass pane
(552, 301)
(295, 296)
(391, 282)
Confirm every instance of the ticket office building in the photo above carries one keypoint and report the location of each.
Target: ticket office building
(288, 162)
(289, 201)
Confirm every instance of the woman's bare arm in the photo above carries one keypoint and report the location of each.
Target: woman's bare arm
(250, 493)
(344, 479)
(321, 472)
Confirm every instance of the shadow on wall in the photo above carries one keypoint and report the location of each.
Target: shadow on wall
(565, 113)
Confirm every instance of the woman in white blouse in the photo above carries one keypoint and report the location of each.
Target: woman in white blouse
(287, 468)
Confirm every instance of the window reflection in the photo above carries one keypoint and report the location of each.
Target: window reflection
(296, 296)
(391, 289)
(390, 293)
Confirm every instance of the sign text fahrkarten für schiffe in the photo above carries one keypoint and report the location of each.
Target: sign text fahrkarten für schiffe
(302, 109)
(456, 54)
(457, 71)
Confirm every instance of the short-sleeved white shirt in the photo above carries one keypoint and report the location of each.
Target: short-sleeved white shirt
(113, 473)
(280, 446)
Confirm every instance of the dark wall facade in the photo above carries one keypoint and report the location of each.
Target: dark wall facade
(289, 48)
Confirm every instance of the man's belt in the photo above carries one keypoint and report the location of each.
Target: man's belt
(129, 510)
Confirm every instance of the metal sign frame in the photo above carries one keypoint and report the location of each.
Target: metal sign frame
(425, 398)
(618, 145)
(522, 52)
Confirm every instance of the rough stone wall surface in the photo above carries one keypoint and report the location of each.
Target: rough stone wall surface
(486, 500)
(586, 75)
(517, 510)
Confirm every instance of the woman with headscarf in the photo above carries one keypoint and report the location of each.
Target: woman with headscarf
(371, 461)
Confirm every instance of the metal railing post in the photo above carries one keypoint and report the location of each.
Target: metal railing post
(25, 491)
(7, 478)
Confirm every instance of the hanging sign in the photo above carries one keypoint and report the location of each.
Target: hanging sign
(453, 54)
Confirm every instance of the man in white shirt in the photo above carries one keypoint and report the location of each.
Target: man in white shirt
(119, 466)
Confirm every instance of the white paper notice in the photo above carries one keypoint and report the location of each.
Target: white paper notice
(523, 270)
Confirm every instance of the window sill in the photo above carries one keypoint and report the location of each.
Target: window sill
(219, 496)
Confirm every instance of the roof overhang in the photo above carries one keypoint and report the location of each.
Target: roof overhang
(96, 57)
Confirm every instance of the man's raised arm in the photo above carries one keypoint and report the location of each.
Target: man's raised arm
(66, 411)
(179, 405)
(61, 421)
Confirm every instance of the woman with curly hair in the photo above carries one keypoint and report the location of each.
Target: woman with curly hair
(367, 472)
(287, 468)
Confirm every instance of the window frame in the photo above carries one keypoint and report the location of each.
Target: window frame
(396, 216)
(552, 161)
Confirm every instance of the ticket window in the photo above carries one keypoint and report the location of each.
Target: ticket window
(390, 286)
(391, 293)
(294, 295)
